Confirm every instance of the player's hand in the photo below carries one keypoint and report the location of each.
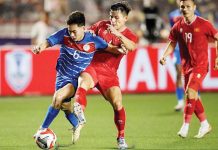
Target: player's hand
(216, 64)
(36, 49)
(112, 30)
(123, 49)
(163, 61)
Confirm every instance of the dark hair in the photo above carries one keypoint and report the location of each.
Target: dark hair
(76, 17)
(122, 6)
(186, 0)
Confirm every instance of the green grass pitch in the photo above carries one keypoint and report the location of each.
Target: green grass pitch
(151, 123)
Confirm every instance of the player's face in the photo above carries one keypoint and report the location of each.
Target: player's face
(76, 32)
(187, 8)
(118, 19)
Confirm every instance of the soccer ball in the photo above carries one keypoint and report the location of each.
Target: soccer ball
(46, 139)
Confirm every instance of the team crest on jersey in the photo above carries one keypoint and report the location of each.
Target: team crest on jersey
(18, 70)
(86, 47)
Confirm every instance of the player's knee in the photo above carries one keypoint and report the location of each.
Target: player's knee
(117, 104)
(57, 102)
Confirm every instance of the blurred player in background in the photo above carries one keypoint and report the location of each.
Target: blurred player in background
(192, 33)
(174, 16)
(102, 72)
(76, 52)
(41, 29)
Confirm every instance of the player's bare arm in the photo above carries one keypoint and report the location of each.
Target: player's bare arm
(39, 48)
(127, 43)
(169, 49)
(216, 59)
(116, 50)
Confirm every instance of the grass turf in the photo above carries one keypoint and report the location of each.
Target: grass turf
(151, 123)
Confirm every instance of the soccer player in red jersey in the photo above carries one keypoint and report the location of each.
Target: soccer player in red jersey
(102, 72)
(192, 34)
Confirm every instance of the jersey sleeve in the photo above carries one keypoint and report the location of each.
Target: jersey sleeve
(57, 37)
(211, 31)
(173, 35)
(133, 37)
(100, 43)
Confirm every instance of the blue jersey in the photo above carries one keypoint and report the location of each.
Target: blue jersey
(74, 56)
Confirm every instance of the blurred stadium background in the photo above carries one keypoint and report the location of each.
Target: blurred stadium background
(27, 81)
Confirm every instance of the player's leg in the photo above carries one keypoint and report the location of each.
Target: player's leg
(179, 88)
(58, 98)
(192, 83)
(200, 113)
(85, 83)
(191, 97)
(72, 118)
(114, 96)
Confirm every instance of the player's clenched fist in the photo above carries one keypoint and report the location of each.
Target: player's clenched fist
(36, 49)
(163, 61)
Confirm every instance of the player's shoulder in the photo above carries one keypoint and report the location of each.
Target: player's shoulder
(179, 21)
(202, 20)
(129, 31)
(130, 34)
(103, 23)
(91, 37)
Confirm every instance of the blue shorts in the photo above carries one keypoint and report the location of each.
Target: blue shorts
(177, 58)
(61, 81)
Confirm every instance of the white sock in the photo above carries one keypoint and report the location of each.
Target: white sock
(181, 102)
(204, 123)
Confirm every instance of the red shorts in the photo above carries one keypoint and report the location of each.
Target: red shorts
(194, 79)
(103, 77)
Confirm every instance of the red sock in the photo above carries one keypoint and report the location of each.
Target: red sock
(199, 110)
(120, 121)
(189, 109)
(80, 97)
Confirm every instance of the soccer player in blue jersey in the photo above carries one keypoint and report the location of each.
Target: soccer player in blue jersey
(76, 52)
(174, 16)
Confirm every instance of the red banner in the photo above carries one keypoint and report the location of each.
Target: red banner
(23, 73)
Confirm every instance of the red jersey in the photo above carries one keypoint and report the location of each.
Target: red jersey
(112, 61)
(193, 43)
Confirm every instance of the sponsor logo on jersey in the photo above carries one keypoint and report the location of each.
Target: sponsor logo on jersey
(18, 70)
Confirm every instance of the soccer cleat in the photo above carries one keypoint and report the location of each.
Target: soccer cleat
(183, 132)
(179, 107)
(203, 130)
(79, 113)
(76, 133)
(121, 144)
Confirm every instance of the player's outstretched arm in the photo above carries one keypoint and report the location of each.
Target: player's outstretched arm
(116, 50)
(169, 49)
(39, 48)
